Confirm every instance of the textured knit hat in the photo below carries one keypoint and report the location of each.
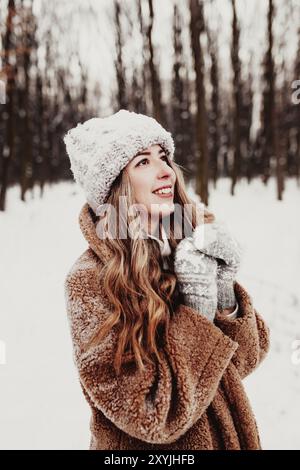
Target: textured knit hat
(100, 148)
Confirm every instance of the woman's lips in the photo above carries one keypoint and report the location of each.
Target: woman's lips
(167, 195)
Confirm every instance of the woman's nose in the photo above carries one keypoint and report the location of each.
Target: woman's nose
(163, 170)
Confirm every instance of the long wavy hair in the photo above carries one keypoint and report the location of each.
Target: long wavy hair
(143, 294)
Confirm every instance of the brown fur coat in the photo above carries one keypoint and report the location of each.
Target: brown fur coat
(194, 399)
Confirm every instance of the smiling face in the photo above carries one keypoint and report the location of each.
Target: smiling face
(148, 171)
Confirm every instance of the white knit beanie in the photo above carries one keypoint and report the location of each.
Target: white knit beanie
(100, 148)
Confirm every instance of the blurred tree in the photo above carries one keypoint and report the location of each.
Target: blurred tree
(119, 62)
(237, 98)
(214, 130)
(155, 85)
(197, 28)
(8, 109)
(182, 124)
(296, 116)
(270, 143)
(28, 28)
(140, 85)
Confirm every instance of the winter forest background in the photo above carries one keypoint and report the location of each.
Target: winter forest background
(224, 77)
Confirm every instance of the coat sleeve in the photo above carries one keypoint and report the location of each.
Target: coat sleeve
(249, 330)
(160, 404)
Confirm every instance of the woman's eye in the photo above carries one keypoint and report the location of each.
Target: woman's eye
(146, 159)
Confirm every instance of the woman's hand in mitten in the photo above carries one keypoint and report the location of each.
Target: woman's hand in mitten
(216, 240)
(196, 274)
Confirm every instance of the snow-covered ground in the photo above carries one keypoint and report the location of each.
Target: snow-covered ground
(41, 405)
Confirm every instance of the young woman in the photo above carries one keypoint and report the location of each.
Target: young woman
(163, 334)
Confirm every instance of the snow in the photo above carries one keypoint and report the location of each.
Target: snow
(42, 405)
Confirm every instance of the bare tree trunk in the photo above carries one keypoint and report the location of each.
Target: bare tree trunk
(179, 98)
(298, 146)
(297, 114)
(158, 112)
(196, 28)
(27, 164)
(41, 133)
(273, 111)
(246, 120)
(141, 104)
(119, 65)
(280, 145)
(269, 138)
(10, 71)
(236, 65)
(214, 122)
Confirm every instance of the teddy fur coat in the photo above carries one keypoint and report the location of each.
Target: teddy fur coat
(194, 399)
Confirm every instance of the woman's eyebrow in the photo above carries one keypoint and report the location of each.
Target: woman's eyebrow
(148, 153)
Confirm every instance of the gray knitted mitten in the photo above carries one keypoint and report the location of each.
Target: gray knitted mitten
(196, 274)
(215, 240)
